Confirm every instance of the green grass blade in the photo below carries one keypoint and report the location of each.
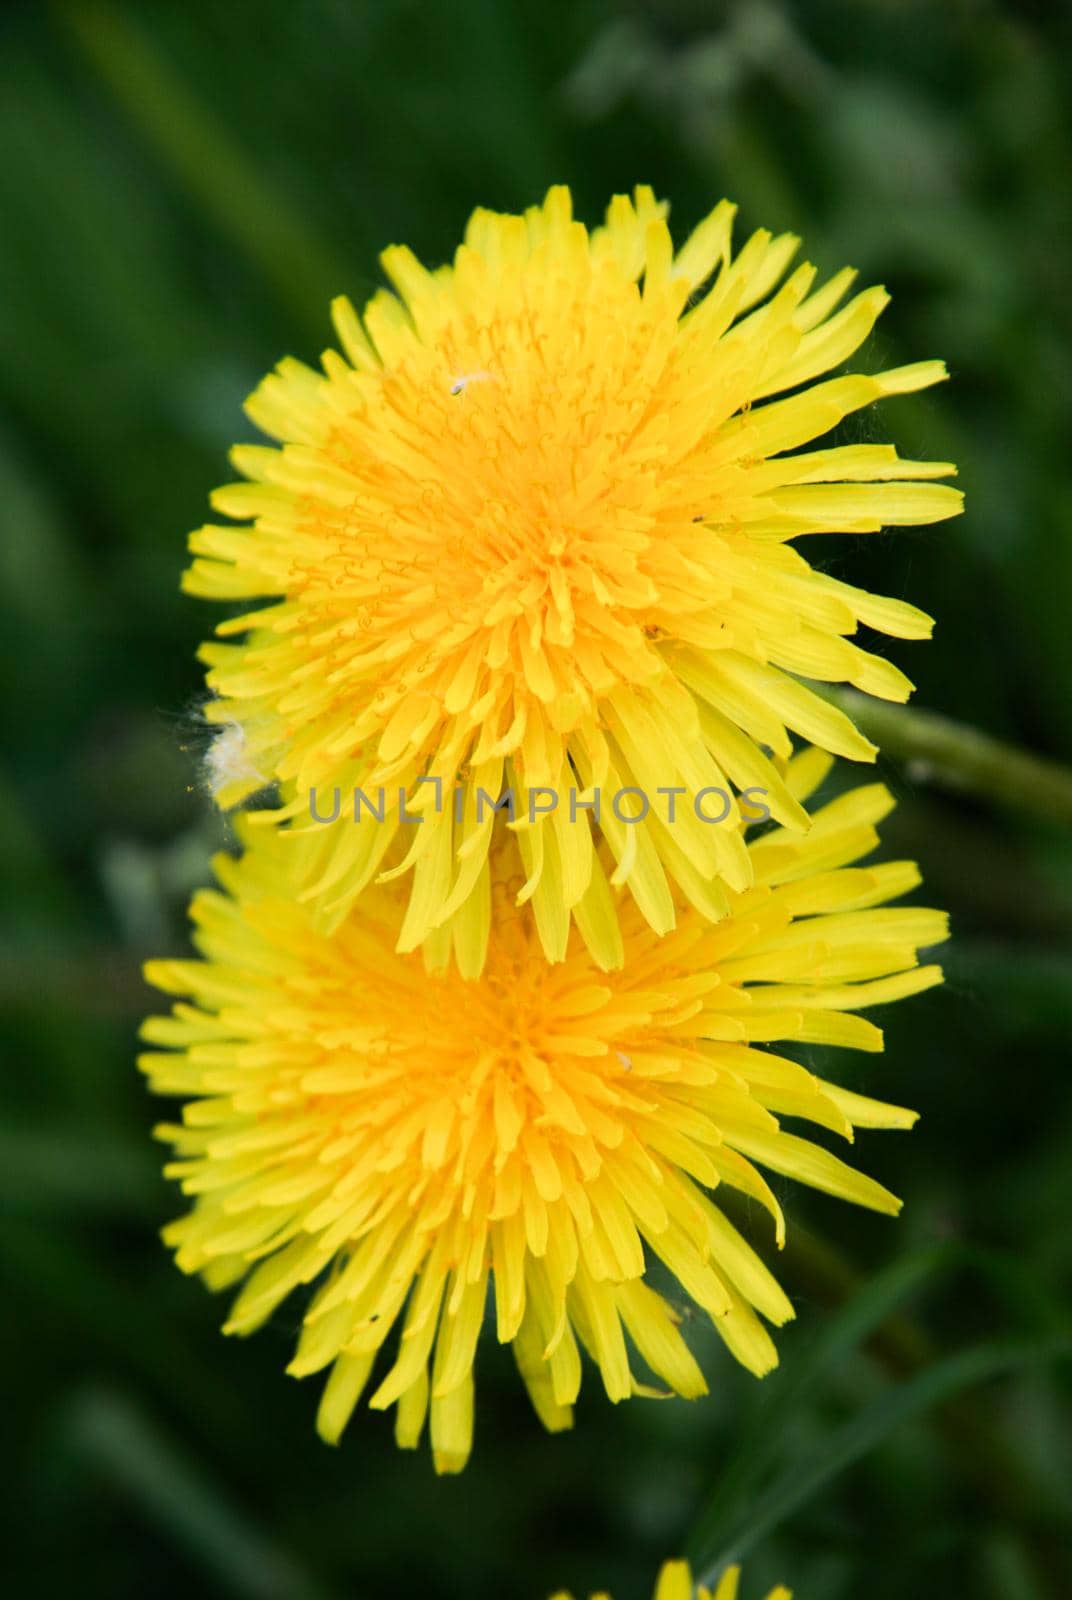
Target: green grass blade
(230, 188)
(790, 1386)
(863, 1432)
(178, 1494)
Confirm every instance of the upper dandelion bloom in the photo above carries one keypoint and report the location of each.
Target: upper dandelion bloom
(675, 1583)
(534, 532)
(399, 1141)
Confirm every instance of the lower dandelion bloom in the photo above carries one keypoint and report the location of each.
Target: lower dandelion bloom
(539, 529)
(399, 1139)
(675, 1583)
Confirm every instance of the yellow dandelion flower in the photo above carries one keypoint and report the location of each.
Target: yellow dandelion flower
(534, 530)
(675, 1583)
(398, 1141)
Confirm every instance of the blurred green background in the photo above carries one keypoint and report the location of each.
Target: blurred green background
(183, 188)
